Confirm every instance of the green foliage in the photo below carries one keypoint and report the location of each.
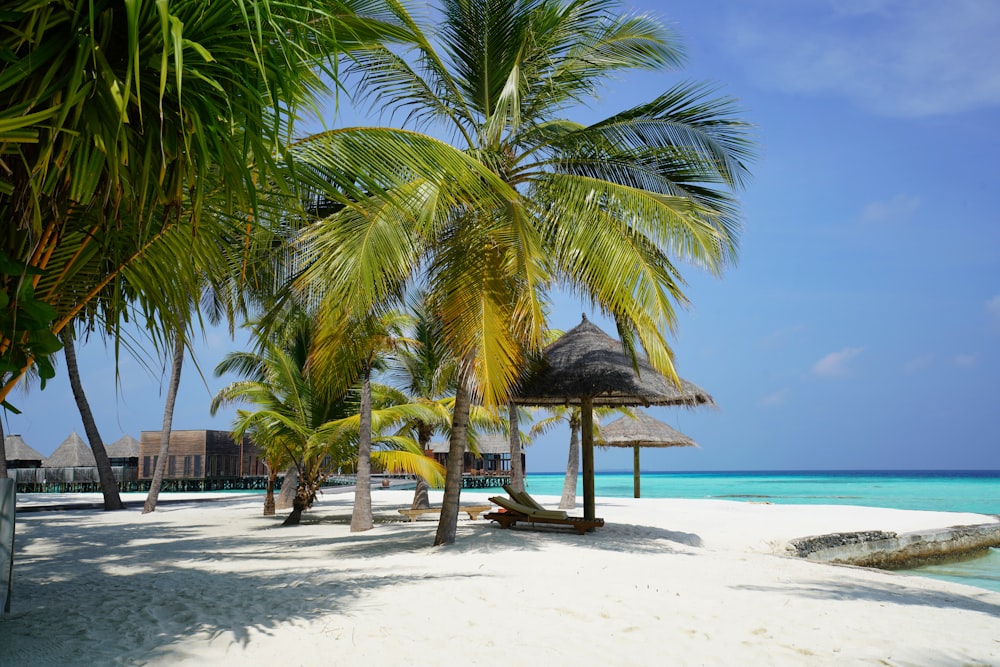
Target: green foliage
(25, 323)
(525, 199)
(129, 130)
(304, 414)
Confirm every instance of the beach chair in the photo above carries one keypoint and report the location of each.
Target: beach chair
(514, 512)
(522, 497)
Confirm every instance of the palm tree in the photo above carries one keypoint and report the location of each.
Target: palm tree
(168, 417)
(106, 476)
(117, 123)
(304, 413)
(372, 338)
(527, 199)
(427, 373)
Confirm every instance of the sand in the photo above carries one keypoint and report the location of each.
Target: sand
(665, 582)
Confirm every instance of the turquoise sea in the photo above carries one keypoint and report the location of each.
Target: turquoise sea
(949, 491)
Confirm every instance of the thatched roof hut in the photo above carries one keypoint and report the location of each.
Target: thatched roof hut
(641, 431)
(72, 453)
(486, 443)
(125, 447)
(587, 367)
(19, 455)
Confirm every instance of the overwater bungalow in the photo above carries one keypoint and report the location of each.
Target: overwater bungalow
(201, 455)
(19, 455)
(493, 459)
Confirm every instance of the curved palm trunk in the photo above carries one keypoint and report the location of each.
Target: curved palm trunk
(448, 523)
(109, 487)
(420, 499)
(361, 517)
(305, 492)
(286, 497)
(168, 419)
(299, 506)
(568, 501)
(516, 466)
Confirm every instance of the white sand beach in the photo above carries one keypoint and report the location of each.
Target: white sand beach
(665, 582)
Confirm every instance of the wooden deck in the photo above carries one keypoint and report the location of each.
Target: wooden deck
(485, 481)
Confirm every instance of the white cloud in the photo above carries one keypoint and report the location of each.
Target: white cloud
(965, 360)
(780, 337)
(893, 57)
(919, 363)
(993, 306)
(836, 364)
(774, 399)
(898, 209)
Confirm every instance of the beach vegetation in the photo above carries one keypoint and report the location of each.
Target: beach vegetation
(304, 414)
(521, 199)
(136, 135)
(427, 372)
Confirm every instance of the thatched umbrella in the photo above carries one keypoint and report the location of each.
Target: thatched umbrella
(587, 367)
(641, 431)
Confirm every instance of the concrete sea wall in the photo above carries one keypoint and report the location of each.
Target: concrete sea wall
(891, 551)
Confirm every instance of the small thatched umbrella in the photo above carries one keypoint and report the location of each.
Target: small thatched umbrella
(587, 367)
(641, 431)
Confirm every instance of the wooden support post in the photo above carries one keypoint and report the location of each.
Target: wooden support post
(635, 466)
(587, 438)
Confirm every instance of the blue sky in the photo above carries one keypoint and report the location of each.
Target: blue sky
(860, 328)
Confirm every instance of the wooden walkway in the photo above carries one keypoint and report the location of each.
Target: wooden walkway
(484, 481)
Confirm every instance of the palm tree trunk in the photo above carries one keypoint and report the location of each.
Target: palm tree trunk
(286, 497)
(269, 509)
(310, 478)
(516, 467)
(298, 507)
(448, 523)
(109, 487)
(420, 498)
(568, 501)
(361, 517)
(168, 419)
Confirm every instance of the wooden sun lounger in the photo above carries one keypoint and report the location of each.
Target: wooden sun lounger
(516, 511)
(472, 510)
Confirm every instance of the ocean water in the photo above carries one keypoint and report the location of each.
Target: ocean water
(948, 491)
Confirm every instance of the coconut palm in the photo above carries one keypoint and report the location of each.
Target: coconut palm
(372, 338)
(311, 419)
(106, 476)
(526, 199)
(427, 373)
(117, 123)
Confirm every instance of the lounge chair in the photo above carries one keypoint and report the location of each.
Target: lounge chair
(472, 510)
(516, 511)
(522, 497)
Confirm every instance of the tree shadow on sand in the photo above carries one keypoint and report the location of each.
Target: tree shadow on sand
(126, 593)
(887, 593)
